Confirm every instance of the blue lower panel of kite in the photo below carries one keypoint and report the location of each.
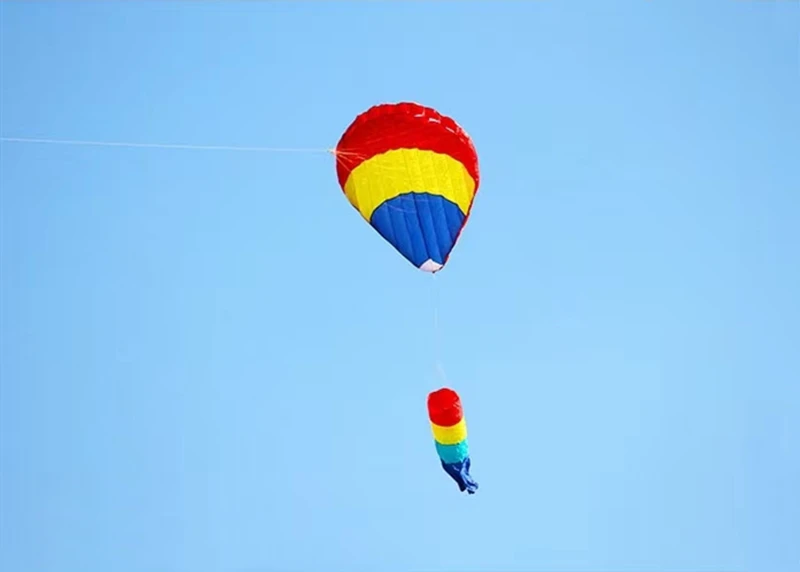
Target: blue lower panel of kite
(421, 226)
(459, 472)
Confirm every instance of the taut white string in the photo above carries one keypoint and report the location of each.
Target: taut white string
(166, 145)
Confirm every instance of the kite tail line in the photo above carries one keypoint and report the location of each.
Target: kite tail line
(438, 366)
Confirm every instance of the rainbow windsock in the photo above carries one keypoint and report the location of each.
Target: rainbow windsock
(450, 436)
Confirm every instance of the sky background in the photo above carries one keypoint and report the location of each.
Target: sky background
(211, 363)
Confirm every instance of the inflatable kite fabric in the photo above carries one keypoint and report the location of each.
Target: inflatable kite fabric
(412, 173)
(450, 436)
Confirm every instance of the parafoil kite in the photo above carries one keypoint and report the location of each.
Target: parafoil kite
(450, 436)
(412, 173)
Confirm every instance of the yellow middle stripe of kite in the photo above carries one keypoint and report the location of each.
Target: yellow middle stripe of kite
(450, 435)
(393, 173)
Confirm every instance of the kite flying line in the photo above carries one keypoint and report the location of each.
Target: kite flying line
(167, 145)
(190, 147)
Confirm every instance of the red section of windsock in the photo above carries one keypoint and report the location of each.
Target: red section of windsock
(444, 407)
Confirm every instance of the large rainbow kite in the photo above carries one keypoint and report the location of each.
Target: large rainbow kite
(412, 173)
(450, 436)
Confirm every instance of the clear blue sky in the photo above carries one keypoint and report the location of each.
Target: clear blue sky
(211, 363)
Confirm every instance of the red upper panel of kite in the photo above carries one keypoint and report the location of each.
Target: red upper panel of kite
(403, 126)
